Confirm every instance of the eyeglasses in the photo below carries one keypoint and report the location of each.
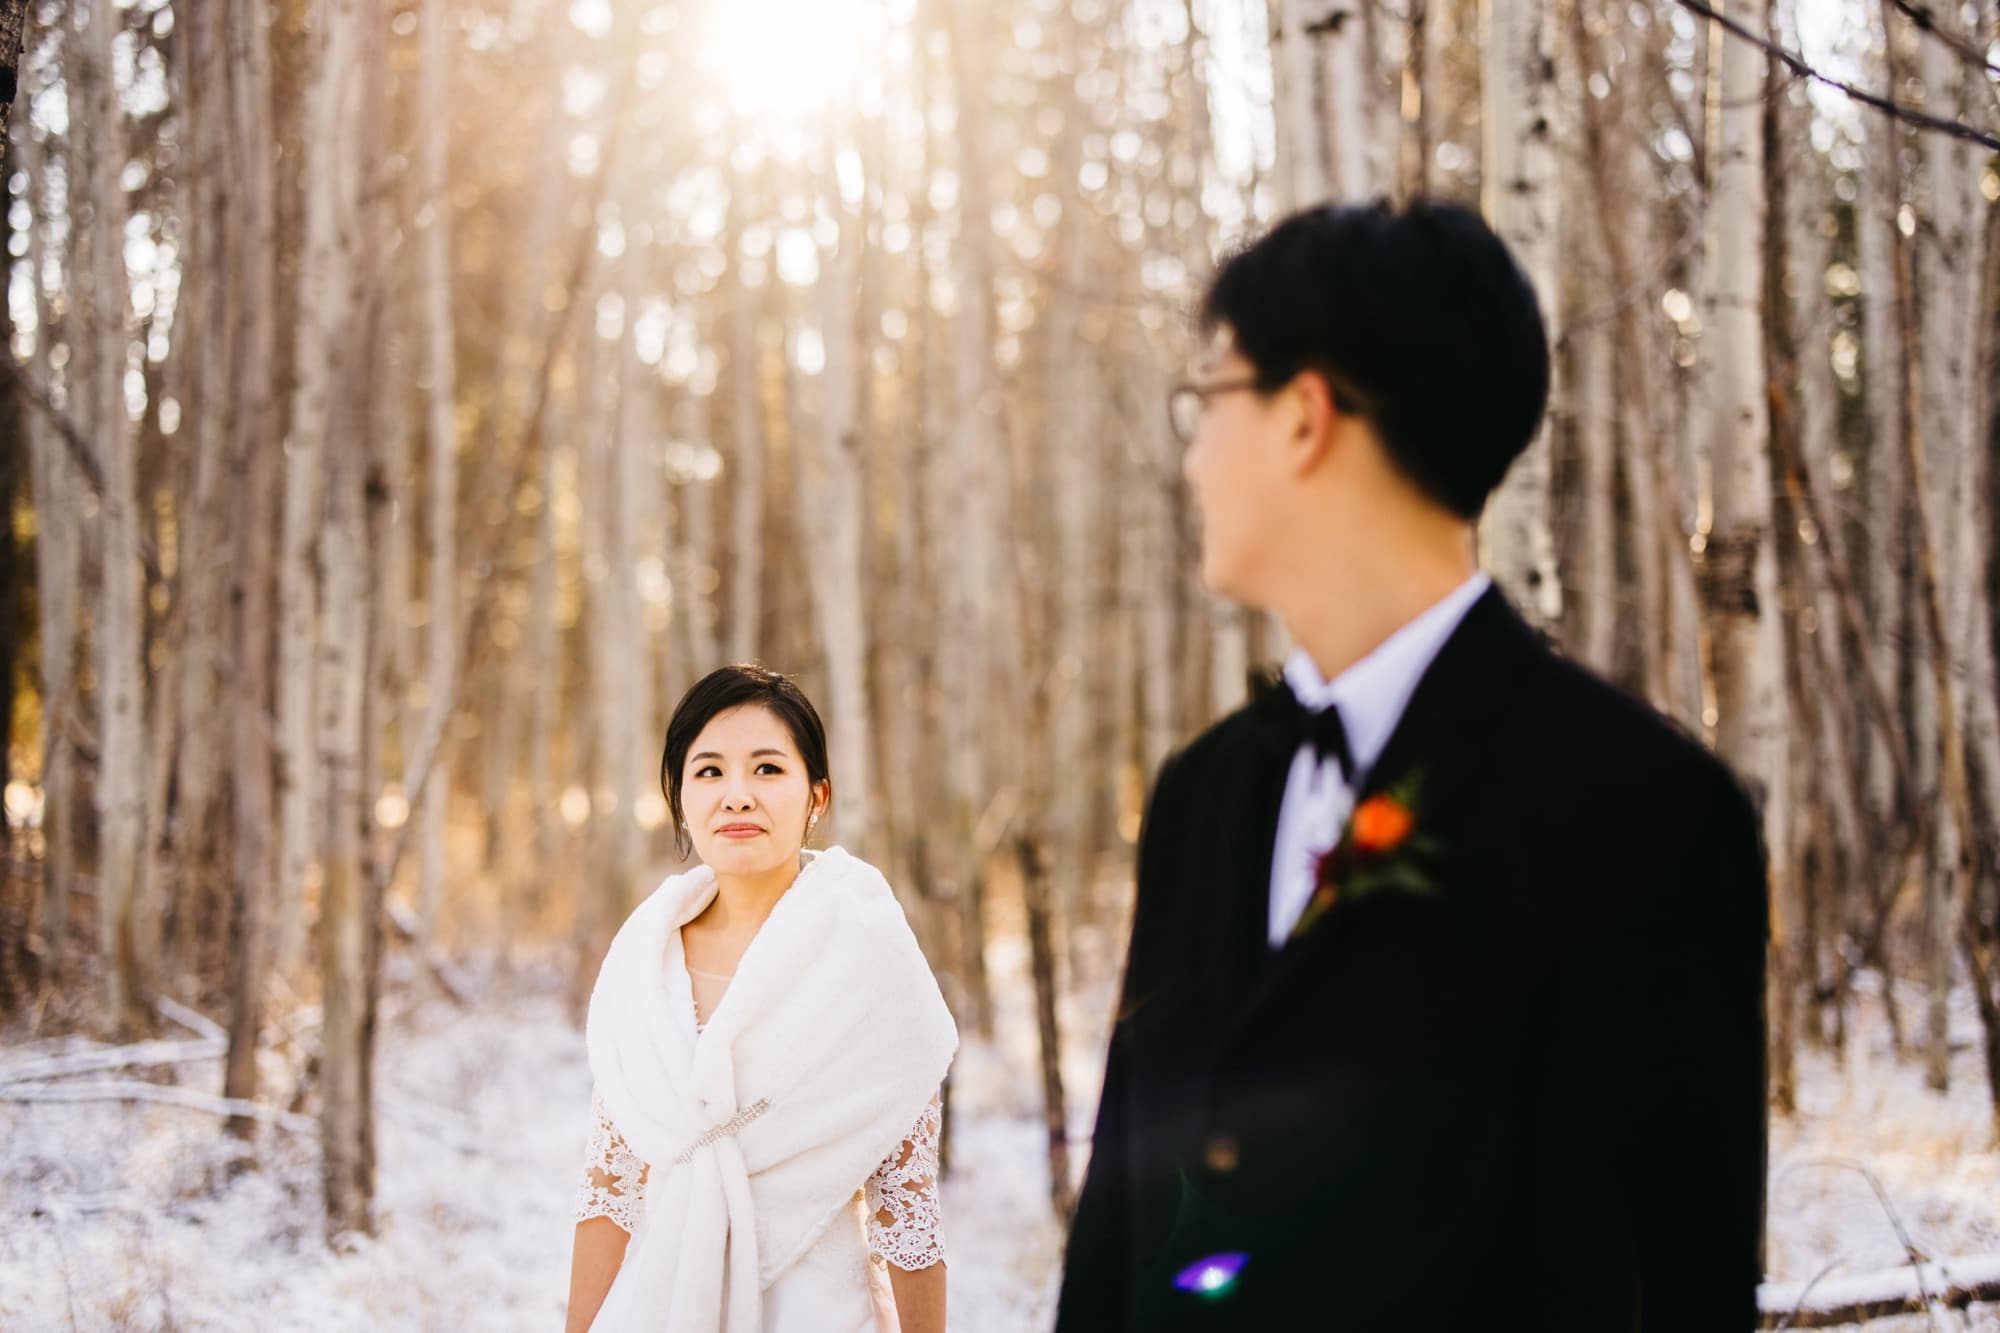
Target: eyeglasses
(1187, 403)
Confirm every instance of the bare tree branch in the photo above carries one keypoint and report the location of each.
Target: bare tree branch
(1887, 105)
(161, 1094)
(1927, 22)
(80, 452)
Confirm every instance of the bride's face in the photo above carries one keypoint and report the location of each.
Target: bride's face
(745, 793)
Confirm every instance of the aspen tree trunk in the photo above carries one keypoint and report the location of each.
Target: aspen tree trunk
(52, 479)
(1975, 517)
(1593, 394)
(545, 698)
(1158, 577)
(203, 565)
(20, 893)
(695, 582)
(350, 915)
(1800, 916)
(1042, 965)
(746, 470)
(440, 365)
(120, 622)
(1519, 182)
(1886, 492)
(1348, 77)
(911, 778)
(1078, 504)
(1331, 143)
(391, 504)
(1946, 262)
(252, 762)
(1305, 174)
(257, 462)
(976, 694)
(1421, 97)
(1838, 830)
(600, 894)
(1740, 570)
(1595, 353)
(298, 597)
(631, 507)
(832, 504)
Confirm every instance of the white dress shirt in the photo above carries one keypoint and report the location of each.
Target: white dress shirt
(1371, 696)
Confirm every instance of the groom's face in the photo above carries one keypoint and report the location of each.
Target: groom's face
(1235, 468)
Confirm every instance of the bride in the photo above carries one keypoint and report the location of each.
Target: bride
(767, 1044)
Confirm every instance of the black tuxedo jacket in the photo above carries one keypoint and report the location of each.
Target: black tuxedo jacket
(1533, 1098)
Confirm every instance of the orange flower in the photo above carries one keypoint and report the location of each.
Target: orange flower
(1381, 825)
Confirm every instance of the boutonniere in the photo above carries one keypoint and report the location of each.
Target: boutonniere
(1383, 849)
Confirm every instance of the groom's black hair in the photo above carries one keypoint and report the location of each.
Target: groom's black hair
(1420, 320)
(716, 693)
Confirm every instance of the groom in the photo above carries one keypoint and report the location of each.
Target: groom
(1444, 1005)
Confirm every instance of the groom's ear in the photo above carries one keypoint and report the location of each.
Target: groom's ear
(1316, 418)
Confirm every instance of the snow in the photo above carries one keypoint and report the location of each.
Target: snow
(1865, 1115)
(139, 1216)
(1879, 1288)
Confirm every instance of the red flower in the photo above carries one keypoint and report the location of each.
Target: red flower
(1381, 825)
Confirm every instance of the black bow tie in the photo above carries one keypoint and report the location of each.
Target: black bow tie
(1297, 725)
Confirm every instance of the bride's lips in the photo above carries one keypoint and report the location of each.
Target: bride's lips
(739, 831)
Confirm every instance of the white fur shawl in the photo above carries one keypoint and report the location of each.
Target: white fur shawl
(825, 1049)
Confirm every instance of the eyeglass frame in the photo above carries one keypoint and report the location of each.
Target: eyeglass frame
(1345, 398)
(1201, 393)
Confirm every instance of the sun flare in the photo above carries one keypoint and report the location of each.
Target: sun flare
(790, 58)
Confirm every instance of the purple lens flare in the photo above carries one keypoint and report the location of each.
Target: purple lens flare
(1213, 1275)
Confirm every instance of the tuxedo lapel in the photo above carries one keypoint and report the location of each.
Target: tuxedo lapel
(1252, 823)
(1440, 739)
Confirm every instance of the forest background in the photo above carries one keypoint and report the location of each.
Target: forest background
(403, 401)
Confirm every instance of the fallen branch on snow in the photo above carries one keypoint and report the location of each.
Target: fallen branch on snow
(144, 1055)
(1950, 1284)
(131, 1090)
(213, 1044)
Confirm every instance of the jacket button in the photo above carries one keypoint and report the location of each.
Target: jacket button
(1222, 1153)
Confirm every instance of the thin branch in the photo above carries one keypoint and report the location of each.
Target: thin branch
(143, 1055)
(79, 448)
(1887, 105)
(80, 453)
(1927, 22)
(121, 1090)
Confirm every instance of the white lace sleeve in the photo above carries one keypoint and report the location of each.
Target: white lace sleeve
(614, 1179)
(905, 1224)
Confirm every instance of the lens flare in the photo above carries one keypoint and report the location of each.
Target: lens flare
(1211, 1276)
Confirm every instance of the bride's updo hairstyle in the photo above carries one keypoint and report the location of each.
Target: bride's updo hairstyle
(718, 692)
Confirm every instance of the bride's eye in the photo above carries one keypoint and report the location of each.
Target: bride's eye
(708, 771)
(770, 768)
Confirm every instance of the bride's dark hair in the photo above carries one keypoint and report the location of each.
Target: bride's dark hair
(732, 687)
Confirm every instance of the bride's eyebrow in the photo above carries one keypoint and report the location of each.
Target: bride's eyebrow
(754, 754)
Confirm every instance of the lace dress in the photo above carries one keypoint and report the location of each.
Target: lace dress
(903, 1223)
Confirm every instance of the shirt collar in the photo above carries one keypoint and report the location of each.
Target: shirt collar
(1373, 692)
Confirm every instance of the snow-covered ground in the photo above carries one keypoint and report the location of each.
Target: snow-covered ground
(1867, 1122)
(127, 1216)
